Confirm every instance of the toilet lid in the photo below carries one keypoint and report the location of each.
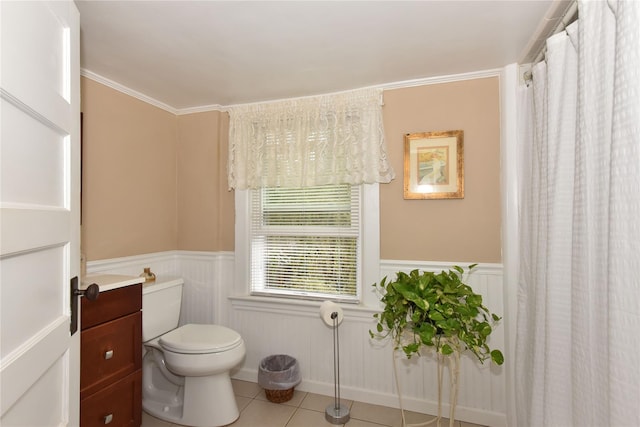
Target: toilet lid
(194, 338)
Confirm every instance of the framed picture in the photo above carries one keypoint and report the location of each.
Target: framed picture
(434, 165)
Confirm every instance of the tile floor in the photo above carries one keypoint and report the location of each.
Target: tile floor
(306, 410)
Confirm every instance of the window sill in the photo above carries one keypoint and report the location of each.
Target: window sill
(298, 307)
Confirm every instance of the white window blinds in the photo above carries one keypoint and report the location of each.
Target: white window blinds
(306, 241)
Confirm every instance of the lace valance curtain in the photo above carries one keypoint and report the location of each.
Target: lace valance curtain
(331, 139)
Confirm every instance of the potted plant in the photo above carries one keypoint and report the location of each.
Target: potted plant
(438, 311)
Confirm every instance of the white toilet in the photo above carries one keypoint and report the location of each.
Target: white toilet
(185, 370)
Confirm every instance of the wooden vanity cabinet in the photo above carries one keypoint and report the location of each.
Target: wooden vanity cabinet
(111, 358)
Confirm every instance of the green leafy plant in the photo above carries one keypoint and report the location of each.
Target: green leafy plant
(436, 310)
(440, 311)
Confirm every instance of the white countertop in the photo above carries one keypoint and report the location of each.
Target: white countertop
(107, 282)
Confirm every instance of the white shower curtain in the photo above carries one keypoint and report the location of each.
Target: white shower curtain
(578, 342)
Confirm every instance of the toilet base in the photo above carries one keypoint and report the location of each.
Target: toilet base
(162, 411)
(210, 402)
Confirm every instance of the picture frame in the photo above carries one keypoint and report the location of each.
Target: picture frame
(434, 165)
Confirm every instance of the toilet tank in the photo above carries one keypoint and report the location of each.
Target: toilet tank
(160, 306)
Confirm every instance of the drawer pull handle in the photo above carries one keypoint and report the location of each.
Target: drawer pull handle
(108, 419)
(108, 354)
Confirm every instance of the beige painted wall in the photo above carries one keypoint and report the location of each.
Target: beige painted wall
(466, 230)
(128, 175)
(171, 173)
(205, 206)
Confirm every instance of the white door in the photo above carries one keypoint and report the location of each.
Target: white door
(40, 205)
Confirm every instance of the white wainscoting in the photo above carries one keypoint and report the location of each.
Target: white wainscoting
(276, 326)
(205, 275)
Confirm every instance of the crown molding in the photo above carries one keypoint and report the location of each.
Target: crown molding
(149, 100)
(201, 109)
(127, 91)
(217, 107)
(395, 85)
(443, 79)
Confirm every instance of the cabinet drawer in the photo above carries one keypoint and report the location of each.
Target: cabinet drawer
(110, 305)
(109, 352)
(117, 405)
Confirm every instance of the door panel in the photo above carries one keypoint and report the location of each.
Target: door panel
(29, 373)
(32, 227)
(22, 412)
(40, 205)
(23, 295)
(35, 167)
(38, 40)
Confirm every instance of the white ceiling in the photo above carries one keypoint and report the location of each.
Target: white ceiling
(189, 54)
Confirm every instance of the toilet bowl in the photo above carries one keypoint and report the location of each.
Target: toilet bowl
(185, 376)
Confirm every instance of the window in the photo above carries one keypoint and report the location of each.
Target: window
(305, 242)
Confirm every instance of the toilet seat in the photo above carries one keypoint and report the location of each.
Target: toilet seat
(200, 339)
